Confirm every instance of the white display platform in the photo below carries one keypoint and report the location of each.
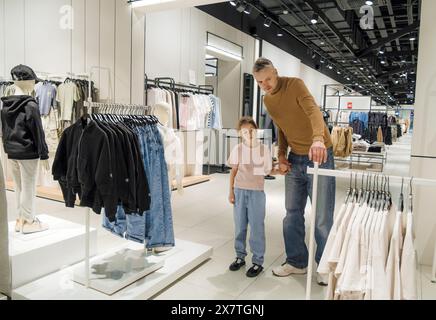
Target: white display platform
(119, 268)
(60, 286)
(33, 256)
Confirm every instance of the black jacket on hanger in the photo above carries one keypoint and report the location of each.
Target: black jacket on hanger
(23, 135)
(101, 162)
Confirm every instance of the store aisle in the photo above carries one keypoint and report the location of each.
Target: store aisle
(204, 215)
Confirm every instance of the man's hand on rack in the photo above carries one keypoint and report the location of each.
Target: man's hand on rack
(318, 152)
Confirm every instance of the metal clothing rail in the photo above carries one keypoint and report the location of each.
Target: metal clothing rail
(170, 83)
(316, 172)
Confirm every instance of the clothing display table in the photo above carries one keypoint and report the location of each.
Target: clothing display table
(61, 286)
(33, 256)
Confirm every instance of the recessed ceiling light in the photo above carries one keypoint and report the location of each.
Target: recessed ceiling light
(267, 22)
(233, 3)
(314, 19)
(330, 67)
(279, 34)
(412, 38)
(369, 3)
(285, 11)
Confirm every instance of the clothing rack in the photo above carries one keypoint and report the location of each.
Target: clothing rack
(170, 83)
(96, 107)
(316, 172)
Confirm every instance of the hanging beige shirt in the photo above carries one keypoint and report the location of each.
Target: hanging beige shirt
(68, 93)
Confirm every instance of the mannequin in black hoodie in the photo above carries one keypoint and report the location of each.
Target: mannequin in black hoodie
(24, 143)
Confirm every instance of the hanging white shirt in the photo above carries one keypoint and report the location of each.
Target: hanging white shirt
(323, 267)
(349, 281)
(408, 263)
(393, 263)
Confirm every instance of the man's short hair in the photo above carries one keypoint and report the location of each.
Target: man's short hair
(262, 63)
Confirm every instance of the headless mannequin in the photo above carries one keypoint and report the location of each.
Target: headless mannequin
(29, 170)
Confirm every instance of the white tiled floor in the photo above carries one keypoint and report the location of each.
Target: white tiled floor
(204, 215)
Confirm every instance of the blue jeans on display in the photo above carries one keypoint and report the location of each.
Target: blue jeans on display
(155, 226)
(298, 188)
(249, 210)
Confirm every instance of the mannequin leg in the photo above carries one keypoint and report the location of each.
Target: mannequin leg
(29, 171)
(16, 176)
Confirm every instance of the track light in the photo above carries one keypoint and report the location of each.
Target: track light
(279, 33)
(267, 22)
(412, 38)
(233, 3)
(330, 66)
(339, 72)
(314, 19)
(381, 52)
(322, 60)
(369, 3)
(247, 10)
(348, 78)
(383, 62)
(285, 12)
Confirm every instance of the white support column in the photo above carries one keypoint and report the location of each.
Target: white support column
(424, 136)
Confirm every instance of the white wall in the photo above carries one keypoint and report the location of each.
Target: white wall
(290, 66)
(31, 34)
(315, 82)
(286, 64)
(184, 31)
(185, 34)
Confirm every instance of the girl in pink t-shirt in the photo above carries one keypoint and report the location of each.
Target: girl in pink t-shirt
(250, 161)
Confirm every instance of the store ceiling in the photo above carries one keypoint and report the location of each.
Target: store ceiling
(381, 61)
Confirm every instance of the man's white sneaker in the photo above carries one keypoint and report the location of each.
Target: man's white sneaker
(34, 227)
(286, 270)
(322, 279)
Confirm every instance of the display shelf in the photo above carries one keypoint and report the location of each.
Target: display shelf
(60, 286)
(191, 181)
(46, 252)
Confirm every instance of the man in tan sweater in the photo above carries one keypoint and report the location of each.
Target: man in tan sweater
(302, 129)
